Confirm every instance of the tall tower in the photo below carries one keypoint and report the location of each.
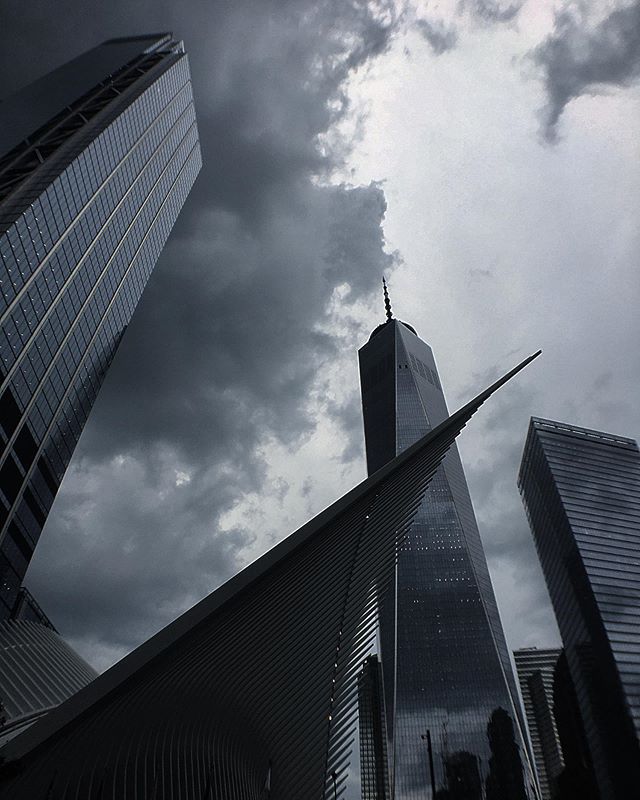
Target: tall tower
(535, 668)
(96, 160)
(577, 778)
(581, 491)
(446, 667)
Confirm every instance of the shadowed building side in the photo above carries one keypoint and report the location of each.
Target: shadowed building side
(253, 692)
(581, 492)
(577, 778)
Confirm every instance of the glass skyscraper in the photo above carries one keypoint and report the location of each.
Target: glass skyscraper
(535, 668)
(446, 668)
(581, 491)
(577, 778)
(96, 160)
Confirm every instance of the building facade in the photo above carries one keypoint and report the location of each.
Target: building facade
(581, 492)
(374, 763)
(38, 670)
(445, 662)
(253, 693)
(26, 608)
(577, 778)
(535, 668)
(96, 160)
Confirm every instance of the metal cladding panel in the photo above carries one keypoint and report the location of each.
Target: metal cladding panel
(80, 233)
(252, 693)
(38, 669)
(581, 491)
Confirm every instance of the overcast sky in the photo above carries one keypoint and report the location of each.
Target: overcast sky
(483, 155)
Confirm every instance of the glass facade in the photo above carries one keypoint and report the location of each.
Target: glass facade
(86, 205)
(38, 671)
(581, 491)
(26, 608)
(577, 778)
(535, 668)
(374, 764)
(446, 668)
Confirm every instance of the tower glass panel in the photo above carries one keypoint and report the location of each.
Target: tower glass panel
(446, 668)
(374, 777)
(98, 159)
(581, 491)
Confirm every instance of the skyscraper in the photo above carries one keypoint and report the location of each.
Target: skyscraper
(445, 663)
(252, 693)
(535, 668)
(96, 160)
(577, 778)
(581, 492)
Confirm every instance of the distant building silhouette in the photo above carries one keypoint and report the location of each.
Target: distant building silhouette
(96, 160)
(581, 491)
(535, 668)
(462, 774)
(505, 779)
(254, 691)
(445, 661)
(576, 779)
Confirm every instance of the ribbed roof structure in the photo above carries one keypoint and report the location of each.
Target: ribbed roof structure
(38, 670)
(252, 693)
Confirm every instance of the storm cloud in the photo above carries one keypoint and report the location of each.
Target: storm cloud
(443, 33)
(492, 11)
(226, 347)
(580, 57)
(231, 412)
(441, 37)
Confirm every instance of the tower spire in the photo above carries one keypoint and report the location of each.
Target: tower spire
(387, 302)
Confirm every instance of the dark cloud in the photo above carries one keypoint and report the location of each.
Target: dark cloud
(131, 546)
(349, 415)
(492, 11)
(230, 338)
(579, 58)
(441, 37)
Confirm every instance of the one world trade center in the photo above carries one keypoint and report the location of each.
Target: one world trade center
(453, 717)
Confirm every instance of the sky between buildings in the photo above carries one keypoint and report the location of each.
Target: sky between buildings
(482, 155)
